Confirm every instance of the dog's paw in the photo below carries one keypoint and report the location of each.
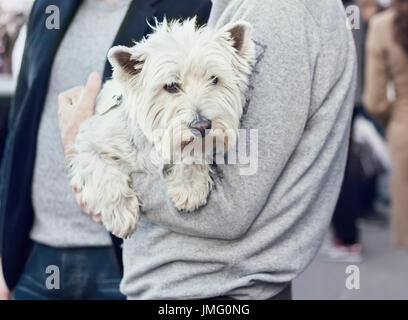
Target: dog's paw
(123, 219)
(189, 199)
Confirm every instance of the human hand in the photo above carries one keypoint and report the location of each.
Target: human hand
(74, 107)
(4, 290)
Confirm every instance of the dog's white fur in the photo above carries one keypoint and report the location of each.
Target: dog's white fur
(111, 146)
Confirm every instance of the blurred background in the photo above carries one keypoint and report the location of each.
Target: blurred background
(361, 233)
(13, 17)
(365, 228)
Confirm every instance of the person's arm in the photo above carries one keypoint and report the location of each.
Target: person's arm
(303, 120)
(283, 83)
(301, 106)
(376, 78)
(278, 110)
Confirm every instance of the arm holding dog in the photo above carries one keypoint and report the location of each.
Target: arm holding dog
(301, 110)
(238, 199)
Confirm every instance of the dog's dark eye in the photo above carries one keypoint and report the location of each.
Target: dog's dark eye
(172, 87)
(214, 80)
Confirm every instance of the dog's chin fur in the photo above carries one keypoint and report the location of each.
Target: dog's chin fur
(177, 77)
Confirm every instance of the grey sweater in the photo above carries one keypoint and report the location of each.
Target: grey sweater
(259, 232)
(58, 219)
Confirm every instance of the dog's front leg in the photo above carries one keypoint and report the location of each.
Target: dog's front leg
(189, 185)
(101, 171)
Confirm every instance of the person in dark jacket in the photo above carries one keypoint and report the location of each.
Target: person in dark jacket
(43, 231)
(344, 244)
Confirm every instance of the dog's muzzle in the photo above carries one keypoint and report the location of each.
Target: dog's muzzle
(200, 127)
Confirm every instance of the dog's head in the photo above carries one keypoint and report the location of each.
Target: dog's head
(186, 84)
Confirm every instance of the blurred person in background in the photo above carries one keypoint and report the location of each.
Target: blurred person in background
(383, 5)
(344, 243)
(12, 18)
(368, 8)
(387, 64)
(368, 161)
(13, 15)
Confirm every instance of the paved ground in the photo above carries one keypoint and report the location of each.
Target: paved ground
(383, 274)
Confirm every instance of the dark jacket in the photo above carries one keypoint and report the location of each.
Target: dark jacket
(16, 210)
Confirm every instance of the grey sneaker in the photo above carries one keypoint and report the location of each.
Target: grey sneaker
(336, 252)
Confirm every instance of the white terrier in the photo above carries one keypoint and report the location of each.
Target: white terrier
(179, 87)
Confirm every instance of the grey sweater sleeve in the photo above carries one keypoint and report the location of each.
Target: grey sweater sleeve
(300, 103)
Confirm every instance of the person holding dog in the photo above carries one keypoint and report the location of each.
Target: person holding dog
(257, 232)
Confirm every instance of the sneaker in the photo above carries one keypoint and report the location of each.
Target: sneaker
(337, 252)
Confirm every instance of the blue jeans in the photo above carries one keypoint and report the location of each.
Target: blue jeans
(90, 273)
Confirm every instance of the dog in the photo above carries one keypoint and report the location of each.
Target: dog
(180, 87)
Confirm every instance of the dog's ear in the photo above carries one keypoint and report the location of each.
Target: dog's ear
(240, 34)
(123, 58)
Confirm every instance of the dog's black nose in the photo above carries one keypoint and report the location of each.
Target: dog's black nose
(200, 127)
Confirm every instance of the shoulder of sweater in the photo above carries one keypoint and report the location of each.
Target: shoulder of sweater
(322, 15)
(291, 20)
(274, 13)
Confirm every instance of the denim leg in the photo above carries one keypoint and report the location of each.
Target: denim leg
(33, 282)
(89, 273)
(101, 274)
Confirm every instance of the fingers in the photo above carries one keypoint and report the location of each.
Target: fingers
(95, 217)
(69, 97)
(75, 106)
(90, 92)
(85, 97)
